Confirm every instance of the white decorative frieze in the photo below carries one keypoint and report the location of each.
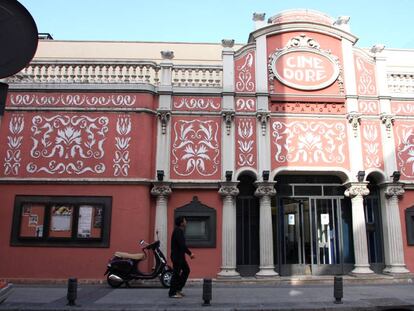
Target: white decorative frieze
(245, 78)
(122, 159)
(13, 158)
(245, 104)
(193, 103)
(246, 143)
(371, 144)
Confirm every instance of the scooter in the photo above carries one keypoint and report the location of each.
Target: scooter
(123, 267)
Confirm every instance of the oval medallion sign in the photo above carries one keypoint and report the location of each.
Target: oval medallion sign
(305, 69)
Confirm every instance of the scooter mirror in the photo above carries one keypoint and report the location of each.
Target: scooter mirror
(141, 242)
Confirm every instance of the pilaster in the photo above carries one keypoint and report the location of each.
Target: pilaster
(393, 243)
(265, 191)
(228, 191)
(161, 191)
(356, 191)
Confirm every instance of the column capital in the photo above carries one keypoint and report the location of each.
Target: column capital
(228, 117)
(161, 189)
(229, 189)
(265, 188)
(355, 189)
(393, 189)
(164, 115)
(354, 118)
(388, 120)
(263, 117)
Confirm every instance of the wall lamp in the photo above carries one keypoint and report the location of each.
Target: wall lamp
(360, 176)
(160, 175)
(229, 175)
(265, 175)
(396, 176)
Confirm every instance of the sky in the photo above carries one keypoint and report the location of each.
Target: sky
(390, 22)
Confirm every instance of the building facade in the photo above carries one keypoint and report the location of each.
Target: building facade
(292, 154)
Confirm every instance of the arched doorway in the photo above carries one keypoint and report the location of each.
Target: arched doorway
(247, 227)
(313, 225)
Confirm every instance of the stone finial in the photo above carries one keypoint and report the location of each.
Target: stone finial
(342, 20)
(259, 17)
(227, 43)
(167, 54)
(377, 48)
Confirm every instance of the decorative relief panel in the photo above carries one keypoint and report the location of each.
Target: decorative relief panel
(311, 108)
(404, 139)
(76, 145)
(245, 73)
(187, 103)
(368, 106)
(365, 75)
(195, 150)
(13, 158)
(71, 144)
(371, 144)
(309, 143)
(30, 99)
(402, 108)
(122, 159)
(246, 150)
(245, 104)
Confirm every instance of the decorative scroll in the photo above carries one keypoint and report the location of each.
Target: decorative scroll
(13, 158)
(245, 104)
(245, 73)
(309, 143)
(365, 72)
(371, 143)
(246, 142)
(402, 108)
(368, 106)
(122, 140)
(195, 148)
(72, 100)
(197, 103)
(404, 132)
(311, 108)
(68, 143)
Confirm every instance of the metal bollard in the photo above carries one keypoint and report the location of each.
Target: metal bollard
(338, 289)
(72, 291)
(207, 292)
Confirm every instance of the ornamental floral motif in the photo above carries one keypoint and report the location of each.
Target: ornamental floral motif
(246, 149)
(195, 149)
(228, 190)
(245, 104)
(196, 103)
(77, 100)
(121, 158)
(405, 149)
(368, 106)
(14, 143)
(265, 189)
(402, 108)
(309, 142)
(371, 145)
(365, 77)
(245, 73)
(161, 190)
(69, 140)
(394, 190)
(357, 190)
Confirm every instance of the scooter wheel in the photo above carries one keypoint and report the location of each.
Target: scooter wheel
(166, 277)
(114, 282)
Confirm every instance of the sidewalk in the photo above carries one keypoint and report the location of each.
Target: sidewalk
(226, 296)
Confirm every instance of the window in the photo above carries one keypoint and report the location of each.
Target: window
(201, 224)
(409, 221)
(61, 221)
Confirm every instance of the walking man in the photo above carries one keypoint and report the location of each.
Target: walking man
(181, 270)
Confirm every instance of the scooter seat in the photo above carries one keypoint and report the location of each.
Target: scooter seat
(137, 256)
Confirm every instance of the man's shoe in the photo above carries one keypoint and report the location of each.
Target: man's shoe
(181, 293)
(177, 295)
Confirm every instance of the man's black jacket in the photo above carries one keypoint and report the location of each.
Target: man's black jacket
(178, 245)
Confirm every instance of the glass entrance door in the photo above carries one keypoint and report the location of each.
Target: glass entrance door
(310, 232)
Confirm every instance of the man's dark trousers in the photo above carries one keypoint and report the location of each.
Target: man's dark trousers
(181, 271)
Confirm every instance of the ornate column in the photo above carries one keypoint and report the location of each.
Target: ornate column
(356, 191)
(228, 191)
(394, 250)
(265, 190)
(161, 190)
